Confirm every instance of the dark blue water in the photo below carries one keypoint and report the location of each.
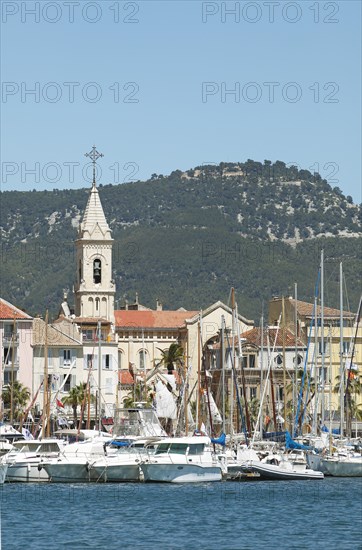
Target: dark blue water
(252, 515)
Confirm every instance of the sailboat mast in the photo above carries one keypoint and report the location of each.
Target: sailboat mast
(315, 366)
(295, 385)
(233, 360)
(99, 376)
(284, 367)
(330, 384)
(272, 386)
(341, 372)
(322, 337)
(45, 385)
(12, 372)
(261, 370)
(222, 351)
(198, 404)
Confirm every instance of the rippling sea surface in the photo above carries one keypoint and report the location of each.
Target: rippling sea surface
(231, 515)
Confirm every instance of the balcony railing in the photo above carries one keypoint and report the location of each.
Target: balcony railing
(9, 338)
(8, 365)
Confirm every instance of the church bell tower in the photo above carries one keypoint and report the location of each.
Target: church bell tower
(95, 288)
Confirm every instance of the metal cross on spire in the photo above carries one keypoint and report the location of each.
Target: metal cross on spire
(94, 156)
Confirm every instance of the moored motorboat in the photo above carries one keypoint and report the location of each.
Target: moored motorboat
(122, 465)
(183, 460)
(343, 466)
(25, 459)
(279, 467)
(73, 464)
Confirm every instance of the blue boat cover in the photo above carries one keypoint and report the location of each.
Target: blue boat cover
(115, 443)
(220, 440)
(291, 444)
(335, 431)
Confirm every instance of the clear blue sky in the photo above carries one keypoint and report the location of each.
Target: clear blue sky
(168, 52)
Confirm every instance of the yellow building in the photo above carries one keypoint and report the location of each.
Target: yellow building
(299, 316)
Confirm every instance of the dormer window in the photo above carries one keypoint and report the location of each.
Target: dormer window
(97, 271)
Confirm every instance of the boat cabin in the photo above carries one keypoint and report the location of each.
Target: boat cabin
(190, 446)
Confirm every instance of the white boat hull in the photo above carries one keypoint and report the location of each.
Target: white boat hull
(68, 472)
(116, 472)
(3, 471)
(27, 472)
(272, 471)
(315, 462)
(180, 473)
(344, 468)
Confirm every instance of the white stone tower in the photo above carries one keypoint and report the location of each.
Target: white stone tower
(95, 288)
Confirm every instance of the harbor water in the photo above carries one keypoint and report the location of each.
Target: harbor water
(230, 515)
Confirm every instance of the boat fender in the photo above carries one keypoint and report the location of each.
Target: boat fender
(40, 467)
(88, 467)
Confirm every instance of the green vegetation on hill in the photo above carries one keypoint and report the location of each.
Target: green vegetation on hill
(188, 237)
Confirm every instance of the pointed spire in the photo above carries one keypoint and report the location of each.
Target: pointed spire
(94, 215)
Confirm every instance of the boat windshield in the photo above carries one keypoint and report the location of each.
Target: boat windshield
(196, 449)
(162, 448)
(37, 446)
(178, 448)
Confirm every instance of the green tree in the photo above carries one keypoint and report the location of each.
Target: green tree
(138, 395)
(21, 396)
(352, 390)
(172, 357)
(76, 396)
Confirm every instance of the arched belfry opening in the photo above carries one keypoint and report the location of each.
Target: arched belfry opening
(97, 271)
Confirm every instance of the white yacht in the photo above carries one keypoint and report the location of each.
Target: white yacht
(25, 459)
(123, 464)
(343, 466)
(183, 460)
(73, 463)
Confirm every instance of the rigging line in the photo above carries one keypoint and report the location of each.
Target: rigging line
(346, 292)
(237, 392)
(305, 401)
(270, 360)
(358, 317)
(306, 355)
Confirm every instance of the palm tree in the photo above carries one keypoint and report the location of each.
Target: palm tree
(76, 396)
(21, 395)
(138, 394)
(354, 387)
(171, 357)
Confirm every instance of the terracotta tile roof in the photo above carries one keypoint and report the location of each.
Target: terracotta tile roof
(91, 320)
(61, 334)
(254, 337)
(306, 308)
(8, 311)
(125, 377)
(152, 319)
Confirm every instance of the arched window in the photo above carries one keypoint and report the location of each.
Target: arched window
(142, 359)
(97, 271)
(299, 359)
